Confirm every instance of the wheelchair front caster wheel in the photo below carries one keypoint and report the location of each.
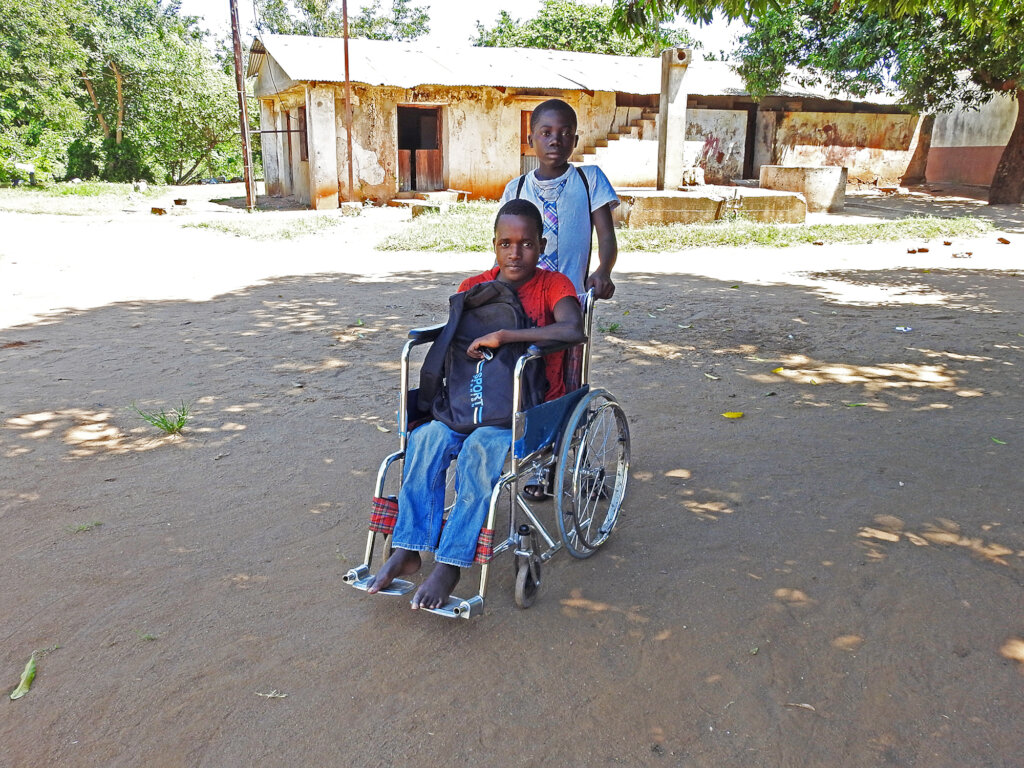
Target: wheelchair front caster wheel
(527, 582)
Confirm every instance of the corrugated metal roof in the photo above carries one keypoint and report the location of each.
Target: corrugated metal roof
(407, 65)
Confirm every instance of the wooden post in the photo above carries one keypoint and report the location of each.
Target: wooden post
(243, 113)
(348, 105)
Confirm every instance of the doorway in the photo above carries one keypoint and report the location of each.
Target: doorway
(420, 159)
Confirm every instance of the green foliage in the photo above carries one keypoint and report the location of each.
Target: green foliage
(39, 61)
(171, 422)
(405, 22)
(570, 26)
(160, 99)
(919, 57)
(323, 18)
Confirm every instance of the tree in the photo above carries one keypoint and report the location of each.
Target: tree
(39, 65)
(570, 26)
(162, 105)
(936, 55)
(323, 18)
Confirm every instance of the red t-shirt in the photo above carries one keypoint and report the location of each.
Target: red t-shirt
(538, 297)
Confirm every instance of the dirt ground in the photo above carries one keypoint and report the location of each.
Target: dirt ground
(833, 579)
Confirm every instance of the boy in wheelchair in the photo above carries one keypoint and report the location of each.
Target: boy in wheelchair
(549, 300)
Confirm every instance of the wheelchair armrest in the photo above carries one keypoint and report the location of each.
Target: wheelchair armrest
(539, 350)
(423, 335)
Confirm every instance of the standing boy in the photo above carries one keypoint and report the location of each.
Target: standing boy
(568, 201)
(549, 300)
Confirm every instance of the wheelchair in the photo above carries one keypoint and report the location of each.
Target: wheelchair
(577, 446)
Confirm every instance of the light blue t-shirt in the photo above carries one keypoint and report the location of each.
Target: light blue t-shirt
(574, 229)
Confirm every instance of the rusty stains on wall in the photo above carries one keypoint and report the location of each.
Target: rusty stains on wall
(871, 146)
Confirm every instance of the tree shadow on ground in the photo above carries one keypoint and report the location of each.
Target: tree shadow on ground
(746, 612)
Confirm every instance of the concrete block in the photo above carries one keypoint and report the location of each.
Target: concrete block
(702, 205)
(823, 187)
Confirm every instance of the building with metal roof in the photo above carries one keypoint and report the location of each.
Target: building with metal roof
(426, 118)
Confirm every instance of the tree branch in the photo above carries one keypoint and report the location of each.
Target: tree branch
(96, 104)
(120, 102)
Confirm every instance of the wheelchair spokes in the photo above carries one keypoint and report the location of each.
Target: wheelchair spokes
(592, 473)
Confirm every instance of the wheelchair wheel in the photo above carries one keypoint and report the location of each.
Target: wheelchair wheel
(590, 479)
(527, 581)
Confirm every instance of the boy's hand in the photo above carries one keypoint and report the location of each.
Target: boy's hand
(490, 341)
(602, 284)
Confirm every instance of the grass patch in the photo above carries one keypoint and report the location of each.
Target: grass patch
(462, 227)
(270, 226)
(87, 198)
(470, 227)
(84, 527)
(677, 237)
(171, 422)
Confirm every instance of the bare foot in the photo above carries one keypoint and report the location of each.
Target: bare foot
(435, 591)
(402, 562)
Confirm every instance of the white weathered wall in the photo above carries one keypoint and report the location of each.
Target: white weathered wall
(870, 146)
(715, 141)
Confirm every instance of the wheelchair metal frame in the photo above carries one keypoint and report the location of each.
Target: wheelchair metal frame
(523, 531)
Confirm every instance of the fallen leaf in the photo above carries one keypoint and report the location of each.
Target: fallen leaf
(911, 250)
(381, 429)
(733, 414)
(713, 378)
(818, 242)
(27, 677)
(922, 250)
(780, 369)
(854, 405)
(1002, 240)
(997, 441)
(947, 242)
(814, 382)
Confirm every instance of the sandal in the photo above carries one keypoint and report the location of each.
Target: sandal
(534, 493)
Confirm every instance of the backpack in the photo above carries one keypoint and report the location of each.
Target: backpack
(465, 393)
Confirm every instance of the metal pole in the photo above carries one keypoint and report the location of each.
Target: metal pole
(348, 104)
(243, 113)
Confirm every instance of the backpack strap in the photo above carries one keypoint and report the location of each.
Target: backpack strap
(522, 180)
(432, 369)
(590, 216)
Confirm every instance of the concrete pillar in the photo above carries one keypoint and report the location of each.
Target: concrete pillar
(672, 117)
(323, 147)
(764, 141)
(284, 150)
(269, 147)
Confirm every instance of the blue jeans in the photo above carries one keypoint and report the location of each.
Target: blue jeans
(432, 447)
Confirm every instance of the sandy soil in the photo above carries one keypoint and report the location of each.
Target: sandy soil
(832, 580)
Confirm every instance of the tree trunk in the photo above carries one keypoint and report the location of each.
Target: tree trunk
(1008, 182)
(120, 103)
(96, 104)
(915, 173)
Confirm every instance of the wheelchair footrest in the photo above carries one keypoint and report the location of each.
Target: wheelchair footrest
(360, 578)
(457, 608)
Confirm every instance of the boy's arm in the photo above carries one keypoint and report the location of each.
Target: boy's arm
(568, 326)
(607, 252)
